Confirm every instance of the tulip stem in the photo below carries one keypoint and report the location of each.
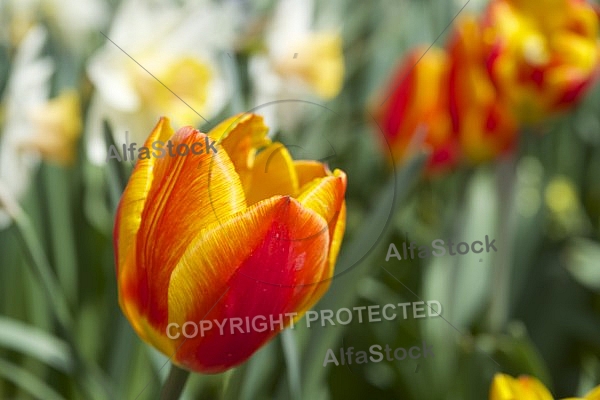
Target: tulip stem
(175, 383)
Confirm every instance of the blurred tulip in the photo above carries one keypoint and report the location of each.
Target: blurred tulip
(415, 113)
(482, 120)
(505, 387)
(542, 55)
(231, 234)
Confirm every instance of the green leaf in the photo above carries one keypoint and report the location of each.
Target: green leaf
(256, 374)
(582, 262)
(27, 382)
(62, 236)
(292, 362)
(36, 343)
(116, 176)
(519, 355)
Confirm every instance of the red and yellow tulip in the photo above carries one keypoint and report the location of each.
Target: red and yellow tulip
(523, 61)
(238, 233)
(505, 387)
(415, 113)
(542, 55)
(481, 118)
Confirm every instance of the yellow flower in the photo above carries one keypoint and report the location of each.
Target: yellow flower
(505, 387)
(159, 59)
(320, 63)
(57, 128)
(188, 77)
(298, 60)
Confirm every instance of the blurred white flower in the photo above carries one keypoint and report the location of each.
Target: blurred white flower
(299, 62)
(27, 90)
(180, 46)
(74, 20)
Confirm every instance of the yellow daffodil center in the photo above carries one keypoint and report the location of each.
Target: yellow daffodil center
(57, 126)
(190, 79)
(318, 62)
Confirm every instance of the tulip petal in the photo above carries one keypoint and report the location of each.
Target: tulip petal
(594, 394)
(273, 174)
(127, 223)
(202, 187)
(505, 387)
(325, 196)
(264, 274)
(241, 136)
(320, 284)
(336, 238)
(534, 389)
(415, 114)
(308, 170)
(132, 202)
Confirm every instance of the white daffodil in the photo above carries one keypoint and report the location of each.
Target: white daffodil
(73, 20)
(27, 90)
(299, 63)
(159, 59)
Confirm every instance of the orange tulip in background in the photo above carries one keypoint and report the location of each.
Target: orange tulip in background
(505, 387)
(525, 60)
(416, 112)
(232, 234)
(481, 118)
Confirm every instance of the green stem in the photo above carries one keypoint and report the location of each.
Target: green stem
(175, 383)
(500, 305)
